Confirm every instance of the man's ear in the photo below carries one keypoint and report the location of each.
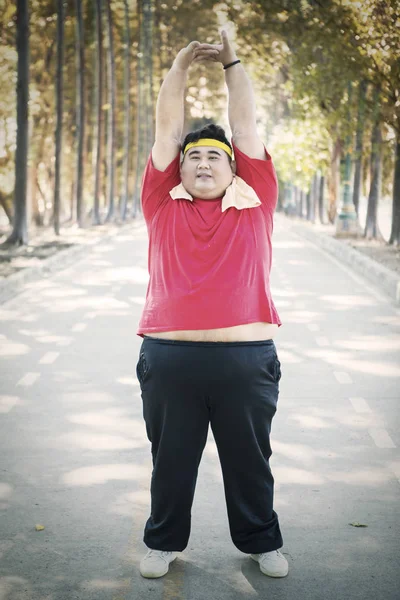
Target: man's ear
(233, 167)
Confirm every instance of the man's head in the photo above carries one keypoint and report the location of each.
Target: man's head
(207, 167)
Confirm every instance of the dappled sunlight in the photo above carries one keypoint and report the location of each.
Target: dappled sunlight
(213, 470)
(12, 587)
(287, 357)
(299, 263)
(284, 293)
(87, 397)
(9, 315)
(394, 467)
(343, 359)
(364, 476)
(128, 237)
(65, 376)
(290, 244)
(349, 419)
(211, 449)
(311, 422)
(92, 302)
(7, 403)
(371, 343)
(113, 313)
(63, 292)
(6, 491)
(103, 248)
(111, 419)
(132, 381)
(282, 303)
(9, 349)
(34, 332)
(106, 584)
(347, 301)
(59, 340)
(391, 320)
(97, 262)
(241, 584)
(41, 284)
(137, 300)
(127, 274)
(125, 504)
(290, 475)
(301, 316)
(279, 500)
(300, 452)
(102, 474)
(97, 441)
(31, 318)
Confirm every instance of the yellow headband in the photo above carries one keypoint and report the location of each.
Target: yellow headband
(208, 142)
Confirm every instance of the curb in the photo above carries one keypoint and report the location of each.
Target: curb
(386, 280)
(14, 284)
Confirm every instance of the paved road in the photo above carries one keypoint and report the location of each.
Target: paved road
(75, 458)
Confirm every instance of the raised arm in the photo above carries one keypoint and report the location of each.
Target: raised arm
(170, 106)
(242, 106)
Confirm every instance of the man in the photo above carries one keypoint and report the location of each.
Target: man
(208, 355)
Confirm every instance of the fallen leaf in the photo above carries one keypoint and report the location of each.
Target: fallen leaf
(358, 524)
(39, 527)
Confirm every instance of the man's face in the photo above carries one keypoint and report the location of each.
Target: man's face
(206, 172)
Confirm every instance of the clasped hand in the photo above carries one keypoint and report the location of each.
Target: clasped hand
(197, 52)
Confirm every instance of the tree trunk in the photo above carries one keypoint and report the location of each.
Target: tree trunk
(80, 111)
(59, 109)
(395, 233)
(98, 158)
(148, 63)
(111, 115)
(19, 234)
(127, 120)
(359, 145)
(139, 113)
(371, 226)
(296, 199)
(321, 199)
(301, 208)
(334, 181)
(308, 204)
(314, 197)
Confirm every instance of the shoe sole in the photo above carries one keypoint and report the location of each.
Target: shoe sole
(269, 574)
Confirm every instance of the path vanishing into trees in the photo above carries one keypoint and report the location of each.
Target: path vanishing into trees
(75, 458)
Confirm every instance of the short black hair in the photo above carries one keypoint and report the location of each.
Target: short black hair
(214, 132)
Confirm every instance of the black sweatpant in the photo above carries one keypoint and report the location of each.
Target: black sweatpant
(234, 386)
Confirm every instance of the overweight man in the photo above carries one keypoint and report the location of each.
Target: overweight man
(208, 357)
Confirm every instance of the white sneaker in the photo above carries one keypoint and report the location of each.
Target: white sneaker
(273, 564)
(156, 563)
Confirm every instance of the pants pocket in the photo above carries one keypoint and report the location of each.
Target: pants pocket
(141, 368)
(278, 372)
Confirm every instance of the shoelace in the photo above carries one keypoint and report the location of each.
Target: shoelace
(164, 553)
(265, 553)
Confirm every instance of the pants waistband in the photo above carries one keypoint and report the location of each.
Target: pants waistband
(152, 340)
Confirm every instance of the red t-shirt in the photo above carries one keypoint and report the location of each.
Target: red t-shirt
(208, 269)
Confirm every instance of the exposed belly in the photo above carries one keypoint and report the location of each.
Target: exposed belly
(250, 332)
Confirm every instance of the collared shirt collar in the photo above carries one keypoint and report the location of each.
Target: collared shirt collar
(238, 195)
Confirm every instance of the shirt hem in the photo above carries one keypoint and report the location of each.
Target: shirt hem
(143, 330)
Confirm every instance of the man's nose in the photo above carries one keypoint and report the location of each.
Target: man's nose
(204, 163)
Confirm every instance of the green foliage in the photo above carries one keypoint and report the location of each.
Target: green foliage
(301, 55)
